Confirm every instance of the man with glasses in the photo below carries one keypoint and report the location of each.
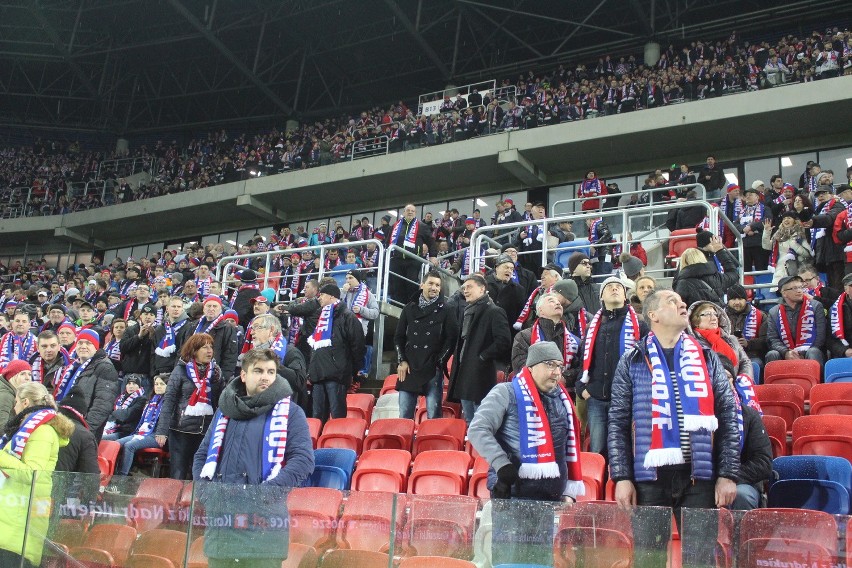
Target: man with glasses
(796, 328)
(814, 287)
(580, 267)
(840, 320)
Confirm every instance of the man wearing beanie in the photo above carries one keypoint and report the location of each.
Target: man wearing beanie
(748, 325)
(225, 343)
(503, 290)
(362, 302)
(92, 378)
(632, 267)
(248, 290)
(338, 353)
(580, 268)
(614, 329)
(753, 215)
(574, 315)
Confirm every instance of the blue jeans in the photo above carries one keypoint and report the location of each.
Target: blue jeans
(329, 400)
(434, 392)
(598, 417)
(748, 497)
(468, 409)
(129, 447)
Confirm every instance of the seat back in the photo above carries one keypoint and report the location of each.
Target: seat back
(441, 526)
(389, 384)
(440, 434)
(594, 469)
(822, 425)
(114, 539)
(332, 468)
(197, 558)
(776, 429)
(783, 400)
(109, 450)
(382, 470)
(439, 472)
(759, 552)
(314, 427)
(360, 405)
(802, 372)
(368, 519)
(390, 434)
(149, 561)
(680, 240)
(313, 515)
(795, 524)
(300, 556)
(162, 542)
(838, 370)
(345, 433)
(354, 559)
(478, 486)
(815, 494)
(826, 468)
(166, 490)
(831, 398)
(593, 547)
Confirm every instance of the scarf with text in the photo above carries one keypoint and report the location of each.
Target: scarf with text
(723, 207)
(836, 317)
(203, 321)
(629, 337)
(752, 214)
(15, 347)
(113, 350)
(751, 326)
(20, 438)
(805, 333)
(593, 230)
(817, 234)
(168, 345)
(744, 395)
(199, 400)
(149, 417)
(410, 235)
(274, 441)
(325, 325)
(570, 344)
(203, 285)
(696, 400)
(590, 188)
(68, 378)
(538, 456)
(123, 402)
(129, 308)
(360, 299)
(39, 368)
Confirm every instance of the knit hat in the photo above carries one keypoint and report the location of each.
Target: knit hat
(731, 187)
(702, 238)
(67, 325)
(820, 176)
(91, 336)
(59, 307)
(541, 352)
(231, 315)
(331, 290)
(757, 183)
(72, 292)
(356, 274)
(132, 379)
(148, 309)
(567, 288)
(737, 292)
(554, 267)
(574, 261)
(611, 280)
(213, 298)
(248, 275)
(14, 367)
(632, 266)
(503, 259)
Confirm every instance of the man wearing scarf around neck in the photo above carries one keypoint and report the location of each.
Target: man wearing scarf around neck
(225, 349)
(257, 447)
(49, 359)
(166, 341)
(19, 342)
(414, 237)
(673, 438)
(528, 431)
(840, 322)
(796, 326)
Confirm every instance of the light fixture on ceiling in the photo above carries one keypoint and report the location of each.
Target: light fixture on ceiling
(732, 178)
(786, 162)
(393, 213)
(481, 203)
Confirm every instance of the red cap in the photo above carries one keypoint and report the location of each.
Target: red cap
(14, 367)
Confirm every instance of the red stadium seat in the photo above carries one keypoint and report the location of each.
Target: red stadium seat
(313, 515)
(759, 552)
(478, 486)
(609, 490)
(594, 470)
(168, 490)
(776, 429)
(300, 556)
(70, 532)
(448, 410)
(154, 457)
(434, 562)
(354, 559)
(93, 557)
(162, 542)
(155, 503)
(197, 558)
(382, 470)
(785, 535)
(679, 241)
(825, 435)
(390, 434)
(802, 372)
(149, 561)
(314, 427)
(785, 401)
(441, 526)
(831, 398)
(596, 514)
(109, 449)
(347, 433)
(390, 384)
(115, 540)
(273, 280)
(593, 548)
(360, 406)
(367, 520)
(439, 472)
(440, 434)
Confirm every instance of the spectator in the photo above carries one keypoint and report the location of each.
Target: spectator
(19, 342)
(503, 290)
(600, 237)
(828, 255)
(212, 323)
(127, 410)
(796, 326)
(698, 279)
(267, 334)
(643, 287)
(711, 327)
(81, 453)
(137, 347)
(248, 290)
(13, 375)
(530, 240)
(754, 216)
(580, 267)
(141, 434)
(788, 246)
(590, 190)
(411, 235)
(840, 322)
(165, 337)
(748, 326)
(49, 359)
(712, 177)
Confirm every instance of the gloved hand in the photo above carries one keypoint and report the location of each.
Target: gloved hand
(506, 477)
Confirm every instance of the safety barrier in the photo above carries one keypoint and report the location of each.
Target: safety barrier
(370, 146)
(701, 193)
(430, 103)
(126, 166)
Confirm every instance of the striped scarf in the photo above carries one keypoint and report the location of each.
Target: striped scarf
(629, 337)
(14, 347)
(149, 417)
(805, 332)
(360, 299)
(209, 328)
(20, 438)
(325, 325)
(836, 317)
(68, 378)
(751, 326)
(168, 345)
(39, 368)
(123, 402)
(570, 344)
(199, 401)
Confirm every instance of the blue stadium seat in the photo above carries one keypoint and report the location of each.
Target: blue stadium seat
(819, 468)
(838, 371)
(566, 249)
(815, 494)
(763, 293)
(333, 468)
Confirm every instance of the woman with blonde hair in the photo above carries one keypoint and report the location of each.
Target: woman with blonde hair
(701, 279)
(29, 449)
(789, 246)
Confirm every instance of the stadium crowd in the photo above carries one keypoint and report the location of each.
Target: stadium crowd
(693, 71)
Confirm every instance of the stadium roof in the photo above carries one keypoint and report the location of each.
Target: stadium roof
(134, 66)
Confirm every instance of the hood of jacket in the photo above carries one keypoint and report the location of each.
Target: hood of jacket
(235, 402)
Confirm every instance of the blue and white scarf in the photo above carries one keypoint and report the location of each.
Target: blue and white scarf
(21, 437)
(123, 402)
(68, 378)
(15, 347)
(149, 417)
(168, 346)
(274, 441)
(325, 325)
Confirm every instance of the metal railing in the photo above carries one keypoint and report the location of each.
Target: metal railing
(485, 87)
(701, 193)
(426, 264)
(131, 166)
(370, 146)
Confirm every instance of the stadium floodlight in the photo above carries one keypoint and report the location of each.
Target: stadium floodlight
(786, 162)
(479, 202)
(732, 178)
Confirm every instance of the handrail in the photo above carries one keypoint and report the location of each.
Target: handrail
(364, 153)
(702, 195)
(459, 91)
(387, 273)
(116, 162)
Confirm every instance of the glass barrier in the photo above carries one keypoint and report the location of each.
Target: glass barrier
(75, 521)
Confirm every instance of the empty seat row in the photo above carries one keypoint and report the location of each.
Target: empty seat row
(389, 433)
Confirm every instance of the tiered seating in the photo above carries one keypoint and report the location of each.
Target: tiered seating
(314, 427)
(313, 515)
(367, 518)
(812, 482)
(360, 406)
(440, 434)
(802, 372)
(478, 486)
(343, 433)
(390, 433)
(773, 537)
(382, 470)
(441, 526)
(827, 435)
(106, 544)
(782, 400)
(832, 398)
(439, 472)
(332, 468)
(838, 370)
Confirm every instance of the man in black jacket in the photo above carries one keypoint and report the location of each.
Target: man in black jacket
(504, 291)
(247, 292)
(308, 309)
(424, 339)
(412, 235)
(338, 352)
(712, 177)
(225, 349)
(137, 347)
(530, 240)
(526, 278)
(580, 268)
(828, 255)
(839, 333)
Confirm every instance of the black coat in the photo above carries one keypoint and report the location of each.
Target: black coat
(424, 338)
(756, 455)
(81, 453)
(126, 419)
(509, 296)
(166, 364)
(835, 346)
(345, 355)
(176, 400)
(424, 237)
(98, 387)
(589, 293)
(827, 251)
(309, 311)
(698, 282)
(294, 369)
(225, 349)
(136, 352)
(242, 305)
(475, 357)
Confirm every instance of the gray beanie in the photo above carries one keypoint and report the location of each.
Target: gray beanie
(632, 266)
(541, 352)
(567, 288)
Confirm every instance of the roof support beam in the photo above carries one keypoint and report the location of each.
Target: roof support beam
(77, 238)
(406, 23)
(259, 209)
(519, 166)
(229, 55)
(543, 17)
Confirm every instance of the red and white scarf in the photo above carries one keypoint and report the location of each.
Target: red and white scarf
(629, 336)
(410, 236)
(696, 400)
(805, 333)
(526, 312)
(570, 344)
(39, 367)
(123, 402)
(252, 286)
(537, 451)
(836, 316)
(128, 309)
(325, 325)
(20, 438)
(14, 347)
(199, 400)
(751, 326)
(360, 299)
